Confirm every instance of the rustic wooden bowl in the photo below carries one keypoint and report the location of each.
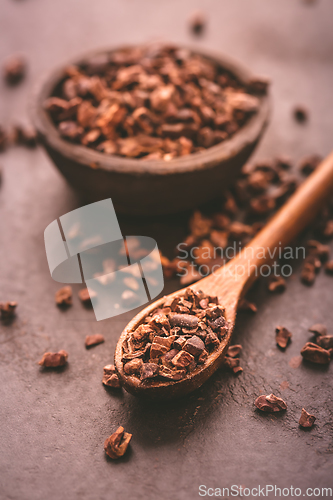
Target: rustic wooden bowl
(149, 187)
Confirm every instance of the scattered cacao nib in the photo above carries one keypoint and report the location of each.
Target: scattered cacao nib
(25, 136)
(92, 340)
(327, 230)
(54, 359)
(85, 296)
(110, 377)
(329, 267)
(318, 329)
(219, 235)
(175, 338)
(270, 403)
(301, 113)
(306, 420)
(116, 445)
(3, 139)
(246, 305)
(315, 354)
(282, 336)
(63, 297)
(316, 248)
(308, 273)
(277, 284)
(147, 102)
(14, 69)
(325, 341)
(197, 22)
(231, 359)
(234, 350)
(309, 164)
(232, 364)
(7, 310)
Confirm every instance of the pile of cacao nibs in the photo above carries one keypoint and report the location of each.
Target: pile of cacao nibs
(175, 338)
(221, 229)
(151, 102)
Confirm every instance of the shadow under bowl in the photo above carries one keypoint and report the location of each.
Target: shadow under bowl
(149, 187)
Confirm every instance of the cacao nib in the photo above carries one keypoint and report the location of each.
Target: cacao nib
(234, 350)
(149, 370)
(325, 341)
(329, 267)
(309, 163)
(92, 340)
(318, 329)
(315, 354)
(14, 69)
(301, 113)
(270, 403)
(116, 445)
(277, 284)
(194, 346)
(54, 359)
(86, 295)
(3, 139)
(63, 297)
(306, 420)
(7, 310)
(133, 367)
(246, 305)
(282, 336)
(197, 22)
(110, 377)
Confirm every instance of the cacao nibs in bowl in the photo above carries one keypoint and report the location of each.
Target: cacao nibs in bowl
(151, 103)
(176, 338)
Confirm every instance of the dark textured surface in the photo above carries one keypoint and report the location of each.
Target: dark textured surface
(53, 425)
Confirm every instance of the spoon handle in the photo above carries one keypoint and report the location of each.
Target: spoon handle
(288, 222)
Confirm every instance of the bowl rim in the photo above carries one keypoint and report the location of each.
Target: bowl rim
(91, 158)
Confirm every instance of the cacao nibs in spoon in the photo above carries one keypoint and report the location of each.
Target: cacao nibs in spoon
(176, 338)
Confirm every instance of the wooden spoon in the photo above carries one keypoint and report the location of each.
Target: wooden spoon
(229, 283)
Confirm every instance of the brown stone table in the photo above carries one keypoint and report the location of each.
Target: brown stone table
(53, 425)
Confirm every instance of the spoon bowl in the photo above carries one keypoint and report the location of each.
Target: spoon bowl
(166, 389)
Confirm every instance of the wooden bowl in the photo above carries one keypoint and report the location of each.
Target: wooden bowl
(153, 186)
